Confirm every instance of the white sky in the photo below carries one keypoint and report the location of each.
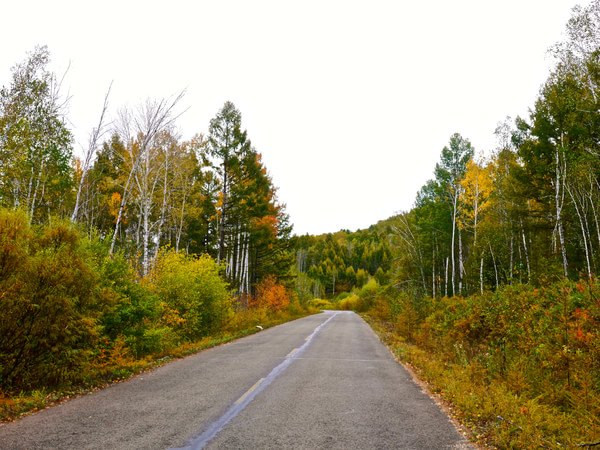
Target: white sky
(350, 102)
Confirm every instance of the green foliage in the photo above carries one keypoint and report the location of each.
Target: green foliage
(35, 144)
(50, 303)
(195, 298)
(336, 263)
(133, 310)
(319, 304)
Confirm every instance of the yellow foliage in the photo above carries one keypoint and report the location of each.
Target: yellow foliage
(477, 187)
(114, 204)
(170, 316)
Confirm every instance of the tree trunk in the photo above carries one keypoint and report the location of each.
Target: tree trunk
(481, 274)
(526, 253)
(163, 208)
(559, 199)
(146, 202)
(221, 253)
(180, 227)
(433, 274)
(495, 267)
(452, 242)
(461, 267)
(583, 233)
(512, 253)
(446, 280)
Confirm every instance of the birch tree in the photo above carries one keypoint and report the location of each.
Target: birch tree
(139, 131)
(94, 140)
(449, 173)
(35, 143)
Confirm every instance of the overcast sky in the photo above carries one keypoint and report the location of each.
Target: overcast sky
(350, 102)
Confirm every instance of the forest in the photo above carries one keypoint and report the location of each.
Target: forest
(148, 247)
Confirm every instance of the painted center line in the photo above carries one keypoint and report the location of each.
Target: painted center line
(249, 391)
(344, 359)
(203, 439)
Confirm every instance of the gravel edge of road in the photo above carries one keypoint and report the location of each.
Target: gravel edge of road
(441, 402)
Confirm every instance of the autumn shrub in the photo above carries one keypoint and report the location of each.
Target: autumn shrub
(271, 295)
(367, 294)
(535, 349)
(133, 312)
(49, 303)
(349, 302)
(319, 303)
(295, 308)
(303, 288)
(362, 277)
(194, 297)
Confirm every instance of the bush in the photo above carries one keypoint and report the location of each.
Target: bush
(195, 299)
(536, 348)
(319, 303)
(71, 315)
(271, 295)
(349, 302)
(132, 310)
(50, 303)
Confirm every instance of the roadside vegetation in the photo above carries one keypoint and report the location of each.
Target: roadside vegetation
(518, 366)
(74, 317)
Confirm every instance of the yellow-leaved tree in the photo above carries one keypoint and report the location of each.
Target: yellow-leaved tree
(477, 187)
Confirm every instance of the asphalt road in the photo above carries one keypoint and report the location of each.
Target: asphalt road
(324, 381)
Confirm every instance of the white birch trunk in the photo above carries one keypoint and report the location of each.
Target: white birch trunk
(433, 274)
(481, 274)
(446, 279)
(461, 267)
(452, 242)
(526, 253)
(558, 204)
(511, 264)
(495, 267)
(583, 233)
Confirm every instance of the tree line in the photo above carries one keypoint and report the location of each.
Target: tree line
(139, 185)
(529, 212)
(335, 263)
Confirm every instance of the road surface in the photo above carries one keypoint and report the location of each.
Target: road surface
(324, 381)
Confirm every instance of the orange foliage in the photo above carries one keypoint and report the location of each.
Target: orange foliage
(114, 204)
(271, 295)
(268, 224)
